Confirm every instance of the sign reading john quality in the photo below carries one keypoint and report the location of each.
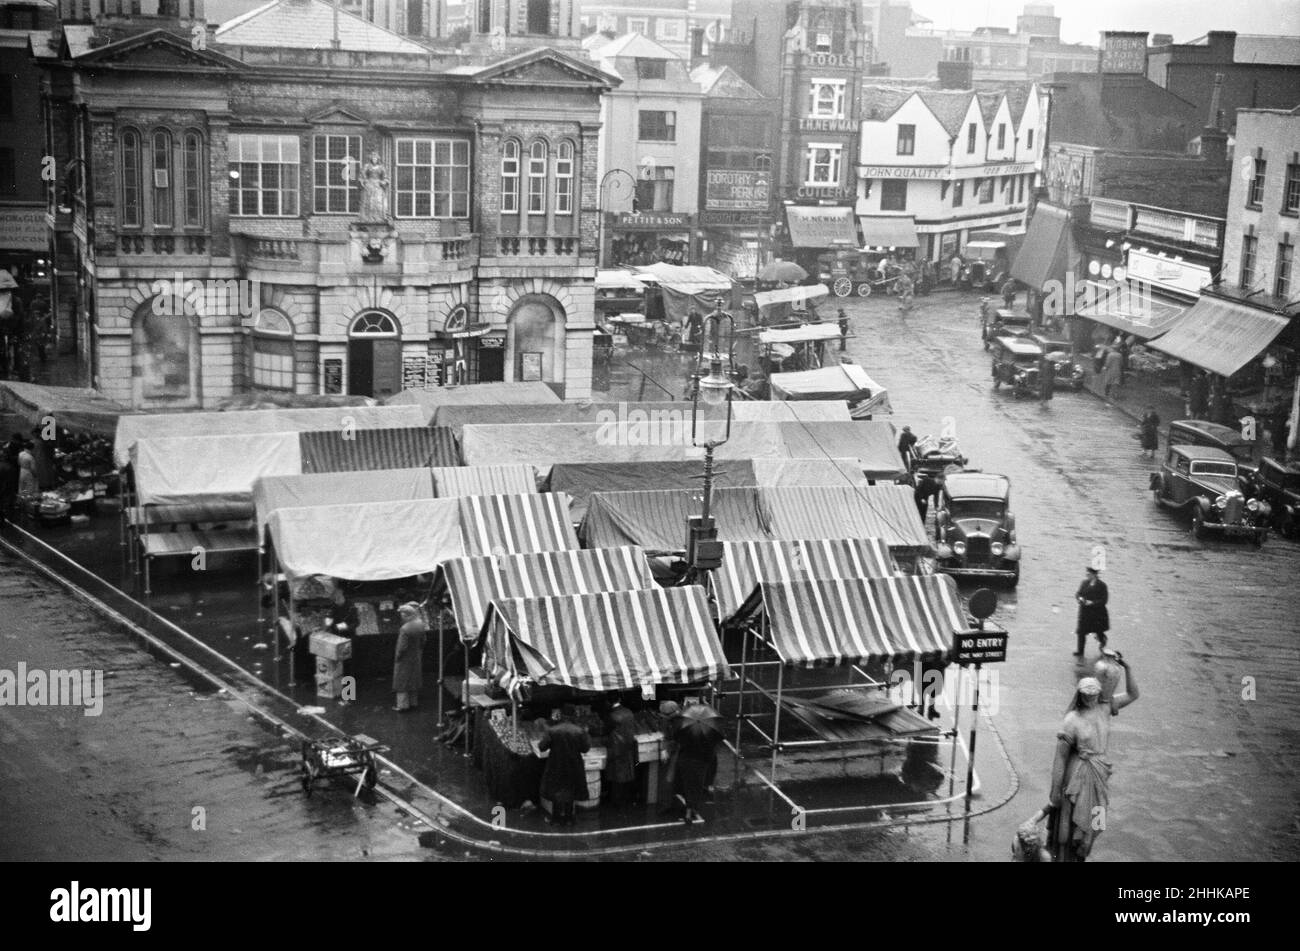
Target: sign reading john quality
(732, 190)
(936, 172)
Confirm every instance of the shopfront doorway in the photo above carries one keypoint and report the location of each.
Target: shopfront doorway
(492, 362)
(374, 356)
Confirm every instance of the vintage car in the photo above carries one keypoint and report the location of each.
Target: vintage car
(1200, 432)
(1204, 481)
(1015, 363)
(1277, 484)
(1067, 372)
(974, 528)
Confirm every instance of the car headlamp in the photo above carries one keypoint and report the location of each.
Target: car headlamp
(998, 548)
(1221, 502)
(1252, 505)
(959, 548)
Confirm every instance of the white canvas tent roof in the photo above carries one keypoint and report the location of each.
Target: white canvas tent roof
(790, 295)
(781, 411)
(846, 381)
(271, 493)
(800, 334)
(367, 541)
(178, 470)
(618, 278)
(132, 428)
(473, 394)
(690, 279)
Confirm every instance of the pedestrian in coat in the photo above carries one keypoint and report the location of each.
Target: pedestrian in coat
(620, 755)
(1112, 372)
(954, 269)
(843, 319)
(906, 442)
(1094, 618)
(927, 487)
(697, 763)
(408, 660)
(28, 489)
(1150, 432)
(1009, 293)
(1080, 795)
(564, 778)
(1198, 396)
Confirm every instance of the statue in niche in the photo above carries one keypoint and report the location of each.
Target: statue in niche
(374, 190)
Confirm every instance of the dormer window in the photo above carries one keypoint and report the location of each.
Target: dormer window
(651, 68)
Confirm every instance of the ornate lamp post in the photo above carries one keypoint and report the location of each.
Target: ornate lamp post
(714, 388)
(623, 182)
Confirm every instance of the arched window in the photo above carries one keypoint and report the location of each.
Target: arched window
(273, 351)
(763, 162)
(131, 199)
(510, 177)
(537, 178)
(162, 179)
(564, 179)
(192, 169)
(374, 323)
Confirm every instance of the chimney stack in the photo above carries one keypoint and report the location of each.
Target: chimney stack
(1214, 141)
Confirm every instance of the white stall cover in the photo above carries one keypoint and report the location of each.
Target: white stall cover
(176, 470)
(131, 428)
(337, 488)
(368, 541)
(783, 411)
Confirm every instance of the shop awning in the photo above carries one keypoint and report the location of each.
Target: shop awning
(608, 641)
(844, 381)
(1129, 308)
(1221, 336)
(888, 231)
(780, 411)
(335, 488)
(474, 583)
(367, 541)
(580, 479)
(897, 619)
(484, 480)
(180, 470)
(745, 564)
(474, 394)
(821, 227)
(1048, 249)
(804, 334)
(791, 295)
(368, 449)
(656, 519)
(80, 410)
(516, 524)
(887, 512)
(236, 422)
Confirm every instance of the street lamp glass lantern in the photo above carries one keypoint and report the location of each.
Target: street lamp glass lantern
(714, 387)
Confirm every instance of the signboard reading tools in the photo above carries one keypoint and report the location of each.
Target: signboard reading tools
(980, 647)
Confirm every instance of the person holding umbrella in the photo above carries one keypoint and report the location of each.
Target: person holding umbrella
(698, 733)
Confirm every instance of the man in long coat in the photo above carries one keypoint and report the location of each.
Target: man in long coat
(409, 658)
(564, 780)
(1094, 617)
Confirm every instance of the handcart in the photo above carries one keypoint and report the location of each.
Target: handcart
(341, 756)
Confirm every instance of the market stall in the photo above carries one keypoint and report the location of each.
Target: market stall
(808, 411)
(580, 479)
(194, 494)
(456, 418)
(795, 348)
(483, 480)
(844, 381)
(81, 411)
(354, 450)
(848, 624)
(679, 289)
(288, 420)
(474, 394)
(332, 488)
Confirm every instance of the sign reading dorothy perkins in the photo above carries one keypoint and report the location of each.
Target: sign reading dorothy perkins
(732, 190)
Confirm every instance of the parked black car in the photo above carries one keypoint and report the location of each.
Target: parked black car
(1277, 484)
(1204, 481)
(1200, 432)
(974, 528)
(1068, 373)
(1015, 363)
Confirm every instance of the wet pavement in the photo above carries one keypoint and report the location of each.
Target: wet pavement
(1201, 773)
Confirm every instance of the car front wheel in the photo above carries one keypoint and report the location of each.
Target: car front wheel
(1198, 524)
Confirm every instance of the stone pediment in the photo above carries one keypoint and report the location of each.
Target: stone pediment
(336, 114)
(157, 49)
(543, 67)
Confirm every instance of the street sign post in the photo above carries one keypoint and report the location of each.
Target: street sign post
(978, 647)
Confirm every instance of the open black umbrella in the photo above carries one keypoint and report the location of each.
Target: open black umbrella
(786, 271)
(703, 718)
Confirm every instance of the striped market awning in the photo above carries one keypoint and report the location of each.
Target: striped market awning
(745, 564)
(887, 512)
(516, 524)
(367, 449)
(484, 480)
(474, 583)
(608, 641)
(812, 623)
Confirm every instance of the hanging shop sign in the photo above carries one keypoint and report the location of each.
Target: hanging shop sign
(1181, 276)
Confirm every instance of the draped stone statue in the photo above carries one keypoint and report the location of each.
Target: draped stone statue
(374, 190)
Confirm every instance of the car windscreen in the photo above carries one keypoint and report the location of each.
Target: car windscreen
(977, 508)
(1226, 469)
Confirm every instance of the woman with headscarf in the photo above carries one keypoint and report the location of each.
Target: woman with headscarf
(409, 658)
(1081, 773)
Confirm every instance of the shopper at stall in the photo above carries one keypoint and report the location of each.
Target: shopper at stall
(409, 658)
(620, 755)
(697, 764)
(564, 778)
(28, 488)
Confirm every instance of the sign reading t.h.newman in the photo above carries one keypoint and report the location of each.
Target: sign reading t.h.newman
(735, 190)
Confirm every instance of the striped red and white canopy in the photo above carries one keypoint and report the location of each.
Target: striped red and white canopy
(746, 563)
(607, 641)
(812, 623)
(474, 583)
(514, 524)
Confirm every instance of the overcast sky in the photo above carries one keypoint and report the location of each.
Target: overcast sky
(1083, 20)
